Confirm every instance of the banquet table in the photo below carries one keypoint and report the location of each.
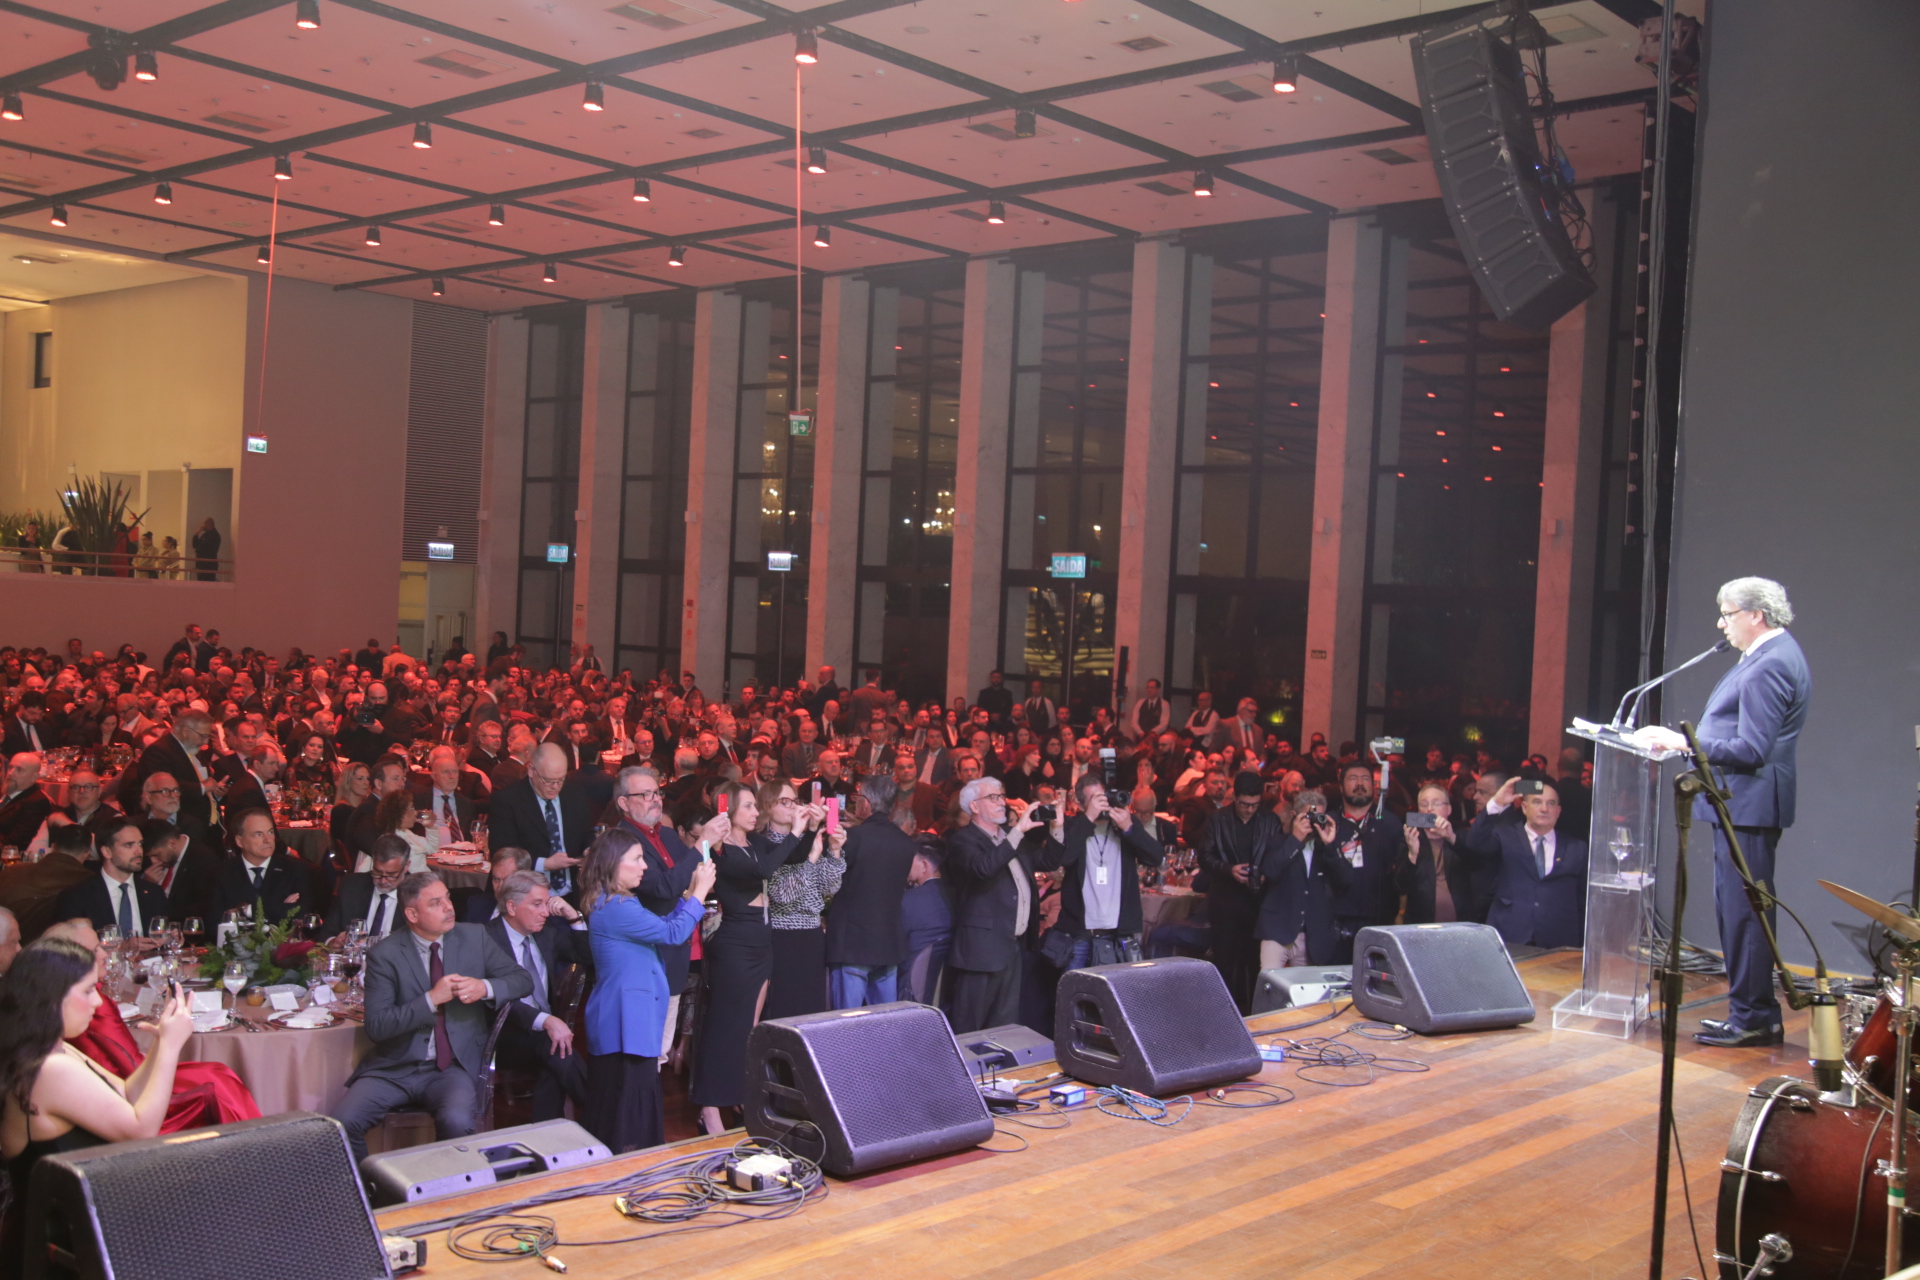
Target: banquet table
(311, 841)
(286, 1070)
(1172, 905)
(461, 877)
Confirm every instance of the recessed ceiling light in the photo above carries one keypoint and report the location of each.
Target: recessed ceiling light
(806, 48)
(306, 14)
(423, 135)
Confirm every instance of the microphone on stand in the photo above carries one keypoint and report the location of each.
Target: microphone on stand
(1624, 717)
(1824, 1048)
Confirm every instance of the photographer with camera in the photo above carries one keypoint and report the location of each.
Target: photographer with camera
(1100, 919)
(1373, 847)
(1232, 846)
(1297, 881)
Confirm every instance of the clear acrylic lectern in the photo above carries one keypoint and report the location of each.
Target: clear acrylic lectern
(1616, 977)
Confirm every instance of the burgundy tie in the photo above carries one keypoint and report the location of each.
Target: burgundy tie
(453, 823)
(442, 1049)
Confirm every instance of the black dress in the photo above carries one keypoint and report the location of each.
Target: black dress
(737, 961)
(13, 1225)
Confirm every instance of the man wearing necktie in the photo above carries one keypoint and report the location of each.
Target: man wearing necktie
(119, 897)
(442, 803)
(23, 728)
(1149, 715)
(545, 935)
(1749, 732)
(429, 990)
(1541, 896)
(546, 814)
(262, 872)
(372, 896)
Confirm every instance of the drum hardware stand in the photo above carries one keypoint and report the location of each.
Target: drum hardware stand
(1773, 1248)
(1894, 1167)
(1699, 782)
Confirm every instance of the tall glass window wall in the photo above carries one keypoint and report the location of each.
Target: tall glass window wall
(1447, 629)
(550, 486)
(906, 538)
(654, 493)
(1066, 446)
(773, 495)
(1243, 510)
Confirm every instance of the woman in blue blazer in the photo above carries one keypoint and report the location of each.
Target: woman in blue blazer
(627, 1012)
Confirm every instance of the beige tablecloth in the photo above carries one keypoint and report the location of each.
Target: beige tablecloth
(1159, 908)
(285, 1070)
(461, 877)
(313, 844)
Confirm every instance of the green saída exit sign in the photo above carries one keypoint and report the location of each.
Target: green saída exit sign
(800, 424)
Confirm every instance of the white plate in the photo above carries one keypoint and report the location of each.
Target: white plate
(283, 1016)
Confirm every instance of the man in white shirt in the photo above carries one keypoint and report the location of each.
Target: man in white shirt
(116, 898)
(370, 896)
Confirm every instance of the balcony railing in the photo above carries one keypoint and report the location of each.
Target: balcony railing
(114, 564)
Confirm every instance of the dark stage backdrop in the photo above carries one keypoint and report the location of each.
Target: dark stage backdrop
(1799, 450)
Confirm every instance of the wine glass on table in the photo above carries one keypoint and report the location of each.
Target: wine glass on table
(195, 930)
(235, 981)
(157, 930)
(110, 937)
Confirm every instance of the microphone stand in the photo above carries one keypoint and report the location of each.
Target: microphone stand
(1914, 900)
(1699, 781)
(1623, 717)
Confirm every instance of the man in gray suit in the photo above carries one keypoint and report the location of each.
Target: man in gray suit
(430, 986)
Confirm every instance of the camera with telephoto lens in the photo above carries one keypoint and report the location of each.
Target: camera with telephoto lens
(1109, 774)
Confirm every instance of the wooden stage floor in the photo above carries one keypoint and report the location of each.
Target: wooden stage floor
(1520, 1153)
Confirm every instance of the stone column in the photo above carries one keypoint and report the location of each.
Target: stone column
(980, 479)
(1154, 369)
(712, 442)
(603, 457)
(503, 451)
(839, 432)
(1338, 572)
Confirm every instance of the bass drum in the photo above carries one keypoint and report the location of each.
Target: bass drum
(1873, 1053)
(1807, 1170)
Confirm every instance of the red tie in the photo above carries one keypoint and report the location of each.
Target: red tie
(453, 823)
(442, 1049)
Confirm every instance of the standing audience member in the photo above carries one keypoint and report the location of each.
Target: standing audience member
(1233, 844)
(1541, 900)
(796, 895)
(865, 945)
(1437, 881)
(1298, 879)
(628, 1006)
(990, 866)
(1105, 851)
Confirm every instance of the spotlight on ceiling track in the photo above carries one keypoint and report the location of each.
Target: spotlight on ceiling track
(439, 287)
(423, 135)
(677, 256)
(806, 48)
(264, 253)
(11, 108)
(549, 274)
(373, 237)
(163, 193)
(496, 215)
(1203, 183)
(996, 212)
(823, 237)
(306, 14)
(283, 167)
(642, 191)
(1023, 123)
(59, 218)
(146, 66)
(1286, 76)
(596, 99)
(816, 159)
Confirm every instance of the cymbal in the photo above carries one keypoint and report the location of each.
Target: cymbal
(1898, 921)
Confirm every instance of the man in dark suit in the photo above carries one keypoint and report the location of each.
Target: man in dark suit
(996, 911)
(865, 942)
(25, 805)
(430, 987)
(545, 814)
(177, 753)
(260, 872)
(187, 873)
(26, 727)
(1749, 732)
(441, 802)
(32, 890)
(798, 760)
(1541, 896)
(544, 935)
(194, 645)
(116, 897)
(372, 896)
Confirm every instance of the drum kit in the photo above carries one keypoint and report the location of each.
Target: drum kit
(1806, 1170)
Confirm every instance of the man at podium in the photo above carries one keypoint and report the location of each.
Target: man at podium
(1748, 732)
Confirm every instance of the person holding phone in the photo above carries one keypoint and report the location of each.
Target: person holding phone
(57, 1099)
(1438, 885)
(796, 895)
(1372, 844)
(1297, 879)
(1540, 898)
(738, 956)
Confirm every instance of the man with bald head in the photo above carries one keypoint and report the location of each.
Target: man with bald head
(25, 805)
(545, 813)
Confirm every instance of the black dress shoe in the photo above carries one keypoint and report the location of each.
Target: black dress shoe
(1715, 1026)
(1733, 1038)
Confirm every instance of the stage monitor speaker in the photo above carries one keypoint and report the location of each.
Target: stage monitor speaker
(1473, 96)
(1153, 1026)
(277, 1197)
(860, 1089)
(1303, 985)
(437, 1169)
(1438, 978)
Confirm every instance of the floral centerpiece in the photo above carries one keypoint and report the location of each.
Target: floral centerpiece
(270, 953)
